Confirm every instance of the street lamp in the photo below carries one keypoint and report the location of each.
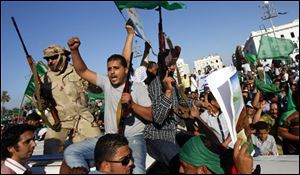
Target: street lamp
(269, 14)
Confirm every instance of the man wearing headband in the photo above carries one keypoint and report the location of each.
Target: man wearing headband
(199, 156)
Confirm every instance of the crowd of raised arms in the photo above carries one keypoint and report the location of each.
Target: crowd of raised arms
(180, 124)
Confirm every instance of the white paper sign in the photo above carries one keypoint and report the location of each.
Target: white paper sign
(225, 86)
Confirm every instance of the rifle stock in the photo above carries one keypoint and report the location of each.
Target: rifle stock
(39, 83)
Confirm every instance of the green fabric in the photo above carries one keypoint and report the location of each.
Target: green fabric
(275, 48)
(194, 152)
(148, 5)
(291, 107)
(266, 87)
(41, 69)
(95, 96)
(250, 58)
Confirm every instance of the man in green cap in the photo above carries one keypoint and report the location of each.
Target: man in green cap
(200, 156)
(196, 158)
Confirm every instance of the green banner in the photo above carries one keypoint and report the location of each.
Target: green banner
(41, 70)
(275, 48)
(149, 5)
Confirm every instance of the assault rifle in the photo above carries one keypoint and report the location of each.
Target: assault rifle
(125, 108)
(50, 102)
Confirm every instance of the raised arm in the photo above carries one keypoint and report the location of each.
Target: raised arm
(79, 64)
(128, 43)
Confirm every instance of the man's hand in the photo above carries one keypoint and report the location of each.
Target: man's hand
(195, 111)
(126, 99)
(168, 81)
(129, 27)
(242, 159)
(74, 43)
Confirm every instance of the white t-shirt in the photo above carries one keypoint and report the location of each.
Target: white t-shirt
(112, 96)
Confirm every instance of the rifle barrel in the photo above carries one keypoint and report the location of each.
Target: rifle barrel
(19, 34)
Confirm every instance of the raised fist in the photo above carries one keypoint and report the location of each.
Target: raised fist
(74, 43)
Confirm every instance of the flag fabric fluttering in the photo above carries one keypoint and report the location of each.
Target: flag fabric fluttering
(266, 85)
(41, 69)
(275, 48)
(250, 58)
(291, 107)
(149, 5)
(138, 24)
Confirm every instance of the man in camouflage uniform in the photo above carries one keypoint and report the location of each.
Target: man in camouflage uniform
(67, 88)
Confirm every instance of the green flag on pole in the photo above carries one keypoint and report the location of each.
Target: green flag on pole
(41, 68)
(275, 48)
(149, 5)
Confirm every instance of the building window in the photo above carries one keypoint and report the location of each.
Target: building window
(282, 36)
(292, 35)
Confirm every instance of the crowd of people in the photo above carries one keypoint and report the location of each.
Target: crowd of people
(154, 122)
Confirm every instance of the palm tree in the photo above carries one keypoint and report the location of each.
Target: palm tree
(4, 98)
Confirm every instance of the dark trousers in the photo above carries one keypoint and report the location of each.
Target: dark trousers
(164, 152)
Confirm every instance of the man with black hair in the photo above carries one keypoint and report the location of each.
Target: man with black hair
(17, 145)
(215, 119)
(33, 119)
(160, 134)
(113, 155)
(112, 83)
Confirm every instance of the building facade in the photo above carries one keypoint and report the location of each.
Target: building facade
(182, 67)
(286, 31)
(212, 62)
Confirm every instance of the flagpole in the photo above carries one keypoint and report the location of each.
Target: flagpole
(120, 12)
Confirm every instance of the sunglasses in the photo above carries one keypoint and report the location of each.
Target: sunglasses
(51, 58)
(124, 162)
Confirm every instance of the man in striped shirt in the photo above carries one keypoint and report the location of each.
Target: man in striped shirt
(160, 133)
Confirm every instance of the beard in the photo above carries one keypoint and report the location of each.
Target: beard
(53, 68)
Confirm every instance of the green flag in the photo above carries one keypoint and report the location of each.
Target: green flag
(148, 5)
(94, 96)
(250, 58)
(41, 68)
(291, 107)
(275, 48)
(266, 85)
